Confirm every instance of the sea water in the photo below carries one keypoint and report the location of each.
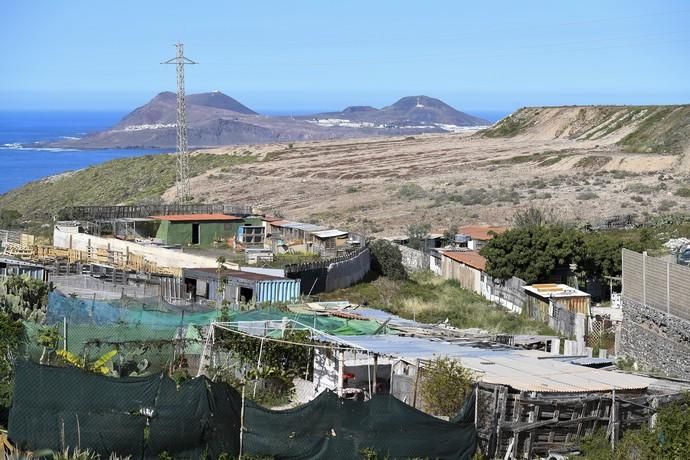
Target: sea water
(21, 164)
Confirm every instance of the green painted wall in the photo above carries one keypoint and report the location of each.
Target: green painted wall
(181, 232)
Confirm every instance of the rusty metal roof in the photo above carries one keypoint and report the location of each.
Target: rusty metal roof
(471, 258)
(481, 232)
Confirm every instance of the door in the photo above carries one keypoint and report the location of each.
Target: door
(195, 234)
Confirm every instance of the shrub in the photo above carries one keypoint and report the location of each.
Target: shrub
(411, 191)
(683, 192)
(640, 188)
(666, 205)
(445, 385)
(586, 196)
(386, 260)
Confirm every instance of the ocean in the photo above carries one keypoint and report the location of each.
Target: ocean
(21, 165)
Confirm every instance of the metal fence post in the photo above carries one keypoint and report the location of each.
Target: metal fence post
(644, 278)
(668, 288)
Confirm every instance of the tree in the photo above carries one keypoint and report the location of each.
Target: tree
(532, 253)
(449, 235)
(9, 218)
(416, 234)
(386, 260)
(445, 385)
(534, 217)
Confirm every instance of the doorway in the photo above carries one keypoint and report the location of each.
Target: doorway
(246, 295)
(195, 233)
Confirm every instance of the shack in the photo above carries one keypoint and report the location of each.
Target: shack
(284, 236)
(10, 266)
(527, 402)
(465, 267)
(239, 286)
(199, 229)
(544, 296)
(328, 243)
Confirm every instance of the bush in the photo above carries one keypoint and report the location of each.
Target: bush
(640, 188)
(411, 191)
(666, 205)
(683, 192)
(584, 196)
(445, 385)
(386, 260)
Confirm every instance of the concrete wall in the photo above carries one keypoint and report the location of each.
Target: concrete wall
(65, 238)
(656, 340)
(656, 283)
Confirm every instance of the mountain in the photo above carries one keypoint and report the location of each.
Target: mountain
(219, 101)
(215, 119)
(162, 109)
(408, 111)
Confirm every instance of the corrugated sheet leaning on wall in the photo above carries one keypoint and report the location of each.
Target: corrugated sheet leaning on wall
(277, 290)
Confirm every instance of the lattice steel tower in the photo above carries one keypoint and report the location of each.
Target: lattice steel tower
(182, 180)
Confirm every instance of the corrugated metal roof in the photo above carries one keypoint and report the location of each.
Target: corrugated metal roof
(18, 262)
(590, 361)
(304, 226)
(329, 233)
(520, 369)
(196, 217)
(471, 258)
(213, 272)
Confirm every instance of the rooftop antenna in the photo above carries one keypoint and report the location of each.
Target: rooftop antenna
(182, 179)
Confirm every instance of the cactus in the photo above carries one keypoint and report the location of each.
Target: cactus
(24, 298)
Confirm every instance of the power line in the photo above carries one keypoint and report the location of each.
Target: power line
(182, 193)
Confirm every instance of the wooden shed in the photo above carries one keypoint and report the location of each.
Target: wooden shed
(543, 295)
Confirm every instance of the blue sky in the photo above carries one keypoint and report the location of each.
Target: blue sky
(309, 55)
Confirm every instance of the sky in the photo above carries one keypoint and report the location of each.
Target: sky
(300, 56)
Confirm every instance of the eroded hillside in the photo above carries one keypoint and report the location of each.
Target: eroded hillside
(635, 129)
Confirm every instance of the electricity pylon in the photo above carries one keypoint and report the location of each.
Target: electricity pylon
(182, 178)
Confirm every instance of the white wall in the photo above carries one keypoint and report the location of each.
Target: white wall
(63, 237)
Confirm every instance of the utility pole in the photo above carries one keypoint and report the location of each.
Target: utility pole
(182, 178)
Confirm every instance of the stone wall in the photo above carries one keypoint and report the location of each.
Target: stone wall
(656, 340)
(413, 260)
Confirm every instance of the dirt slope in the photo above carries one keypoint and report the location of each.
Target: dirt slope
(642, 129)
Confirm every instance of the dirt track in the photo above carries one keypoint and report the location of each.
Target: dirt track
(369, 184)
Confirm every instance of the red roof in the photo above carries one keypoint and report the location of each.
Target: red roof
(470, 258)
(481, 232)
(196, 217)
